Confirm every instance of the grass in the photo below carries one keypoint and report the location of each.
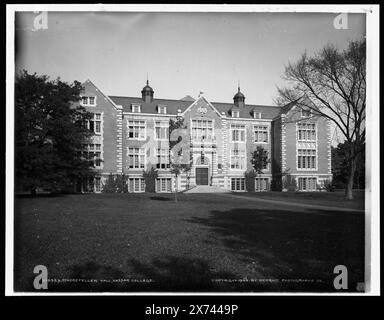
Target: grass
(333, 199)
(204, 242)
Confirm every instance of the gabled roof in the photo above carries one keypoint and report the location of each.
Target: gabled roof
(188, 98)
(285, 109)
(267, 112)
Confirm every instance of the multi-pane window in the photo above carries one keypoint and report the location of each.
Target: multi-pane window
(306, 159)
(91, 184)
(306, 132)
(261, 184)
(238, 184)
(94, 124)
(261, 134)
(237, 159)
(92, 153)
(162, 158)
(307, 184)
(88, 184)
(136, 185)
(136, 129)
(97, 184)
(161, 130)
(136, 108)
(136, 158)
(162, 109)
(164, 185)
(257, 115)
(238, 133)
(88, 101)
(202, 130)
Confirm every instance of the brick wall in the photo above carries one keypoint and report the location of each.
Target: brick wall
(108, 137)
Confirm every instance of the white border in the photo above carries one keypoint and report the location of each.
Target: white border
(373, 146)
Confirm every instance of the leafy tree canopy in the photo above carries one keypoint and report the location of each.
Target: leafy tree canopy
(49, 132)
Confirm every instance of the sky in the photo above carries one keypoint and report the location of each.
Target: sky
(182, 53)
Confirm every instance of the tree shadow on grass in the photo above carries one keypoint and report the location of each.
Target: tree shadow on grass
(182, 274)
(40, 195)
(160, 198)
(285, 244)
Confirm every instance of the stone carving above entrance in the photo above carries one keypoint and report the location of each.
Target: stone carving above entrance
(202, 160)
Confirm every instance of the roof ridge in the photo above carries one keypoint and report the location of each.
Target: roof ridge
(128, 97)
(215, 102)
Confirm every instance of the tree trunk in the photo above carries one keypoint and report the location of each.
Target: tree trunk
(349, 188)
(176, 189)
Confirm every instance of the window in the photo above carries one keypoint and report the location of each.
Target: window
(305, 113)
(136, 108)
(97, 184)
(235, 114)
(306, 132)
(257, 115)
(238, 133)
(307, 184)
(238, 159)
(88, 101)
(91, 184)
(136, 158)
(136, 185)
(92, 153)
(136, 129)
(164, 185)
(94, 124)
(162, 109)
(238, 184)
(202, 130)
(261, 134)
(161, 130)
(306, 159)
(162, 158)
(261, 184)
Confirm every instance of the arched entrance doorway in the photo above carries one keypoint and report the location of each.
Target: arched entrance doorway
(202, 171)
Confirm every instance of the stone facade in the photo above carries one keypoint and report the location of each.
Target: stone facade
(218, 139)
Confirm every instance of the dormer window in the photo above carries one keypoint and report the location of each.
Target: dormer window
(88, 101)
(256, 115)
(136, 108)
(305, 113)
(235, 114)
(162, 109)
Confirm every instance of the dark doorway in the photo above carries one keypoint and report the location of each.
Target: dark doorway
(202, 176)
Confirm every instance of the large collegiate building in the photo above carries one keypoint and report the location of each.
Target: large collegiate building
(131, 135)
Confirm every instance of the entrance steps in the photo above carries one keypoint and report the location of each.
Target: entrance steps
(207, 189)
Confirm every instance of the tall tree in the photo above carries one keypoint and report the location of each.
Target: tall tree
(49, 133)
(332, 84)
(259, 160)
(340, 166)
(179, 153)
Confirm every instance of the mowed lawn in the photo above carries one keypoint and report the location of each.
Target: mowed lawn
(335, 199)
(204, 242)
